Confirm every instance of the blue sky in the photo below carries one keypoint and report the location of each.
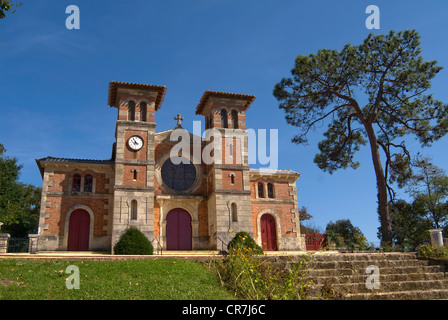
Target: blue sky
(54, 81)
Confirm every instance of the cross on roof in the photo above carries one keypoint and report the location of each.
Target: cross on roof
(179, 118)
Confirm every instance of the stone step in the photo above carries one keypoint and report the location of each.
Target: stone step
(361, 271)
(383, 278)
(395, 286)
(401, 295)
(355, 265)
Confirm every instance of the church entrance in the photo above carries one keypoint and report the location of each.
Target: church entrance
(178, 230)
(78, 231)
(268, 233)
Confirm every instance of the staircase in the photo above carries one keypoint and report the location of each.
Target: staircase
(401, 276)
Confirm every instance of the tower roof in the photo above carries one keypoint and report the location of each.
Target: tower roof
(115, 85)
(246, 98)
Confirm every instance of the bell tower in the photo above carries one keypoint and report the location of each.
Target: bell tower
(229, 203)
(134, 155)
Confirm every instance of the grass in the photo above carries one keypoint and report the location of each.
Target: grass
(151, 279)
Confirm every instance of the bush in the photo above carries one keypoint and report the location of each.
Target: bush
(133, 241)
(427, 250)
(243, 240)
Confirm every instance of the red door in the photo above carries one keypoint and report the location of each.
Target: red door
(268, 233)
(178, 230)
(78, 231)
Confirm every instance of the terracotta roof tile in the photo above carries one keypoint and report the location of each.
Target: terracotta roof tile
(114, 85)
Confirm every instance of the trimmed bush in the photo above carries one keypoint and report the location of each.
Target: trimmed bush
(133, 241)
(243, 240)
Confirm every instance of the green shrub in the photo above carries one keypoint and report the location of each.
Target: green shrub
(132, 241)
(243, 240)
(429, 251)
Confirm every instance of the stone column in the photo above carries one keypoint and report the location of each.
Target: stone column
(32, 244)
(4, 239)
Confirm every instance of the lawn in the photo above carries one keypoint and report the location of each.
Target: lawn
(151, 279)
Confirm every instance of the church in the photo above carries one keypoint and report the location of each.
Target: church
(177, 200)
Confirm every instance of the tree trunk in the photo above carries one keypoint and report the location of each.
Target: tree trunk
(386, 226)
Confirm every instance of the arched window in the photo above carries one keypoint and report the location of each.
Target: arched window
(270, 190)
(235, 119)
(234, 212)
(76, 184)
(131, 110)
(88, 183)
(134, 210)
(143, 111)
(260, 190)
(232, 178)
(224, 123)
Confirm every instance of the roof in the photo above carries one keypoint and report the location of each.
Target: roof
(68, 160)
(114, 85)
(275, 172)
(207, 94)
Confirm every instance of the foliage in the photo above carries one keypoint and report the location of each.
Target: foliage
(373, 94)
(8, 5)
(429, 189)
(409, 226)
(133, 241)
(254, 278)
(343, 231)
(427, 250)
(19, 203)
(242, 240)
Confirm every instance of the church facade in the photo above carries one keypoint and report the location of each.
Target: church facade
(179, 200)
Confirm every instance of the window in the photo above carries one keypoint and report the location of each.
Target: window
(88, 183)
(232, 178)
(131, 110)
(134, 210)
(270, 190)
(260, 190)
(143, 111)
(76, 184)
(235, 119)
(224, 123)
(134, 173)
(234, 212)
(179, 177)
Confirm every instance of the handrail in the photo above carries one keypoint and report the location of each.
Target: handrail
(158, 245)
(222, 244)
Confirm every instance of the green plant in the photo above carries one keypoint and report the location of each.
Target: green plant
(252, 277)
(243, 240)
(133, 241)
(427, 250)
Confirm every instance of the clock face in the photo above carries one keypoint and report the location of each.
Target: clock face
(135, 143)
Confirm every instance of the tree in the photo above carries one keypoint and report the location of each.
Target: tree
(351, 235)
(8, 5)
(429, 189)
(409, 227)
(392, 78)
(19, 203)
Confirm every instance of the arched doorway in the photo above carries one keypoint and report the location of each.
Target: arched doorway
(78, 231)
(178, 230)
(268, 233)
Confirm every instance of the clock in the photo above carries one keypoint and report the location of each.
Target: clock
(135, 143)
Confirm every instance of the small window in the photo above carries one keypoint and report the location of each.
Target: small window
(235, 119)
(88, 183)
(135, 172)
(270, 190)
(232, 178)
(131, 110)
(260, 190)
(134, 210)
(76, 185)
(234, 212)
(143, 111)
(224, 121)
